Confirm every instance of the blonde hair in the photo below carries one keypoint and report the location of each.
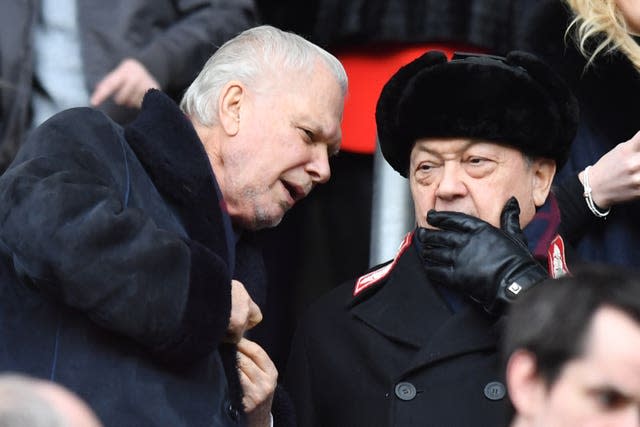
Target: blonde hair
(601, 18)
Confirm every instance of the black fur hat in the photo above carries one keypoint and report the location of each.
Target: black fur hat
(516, 101)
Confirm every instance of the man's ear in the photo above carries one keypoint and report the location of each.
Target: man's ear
(526, 388)
(229, 105)
(543, 172)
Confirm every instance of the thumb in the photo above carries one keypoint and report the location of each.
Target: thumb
(510, 219)
(255, 315)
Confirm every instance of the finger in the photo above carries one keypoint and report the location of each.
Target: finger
(258, 374)
(444, 238)
(454, 221)
(127, 93)
(254, 394)
(439, 273)
(259, 357)
(237, 327)
(247, 366)
(438, 256)
(250, 399)
(510, 218)
(255, 315)
(422, 234)
(635, 141)
(105, 88)
(256, 353)
(239, 316)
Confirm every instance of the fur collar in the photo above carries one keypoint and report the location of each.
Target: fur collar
(168, 147)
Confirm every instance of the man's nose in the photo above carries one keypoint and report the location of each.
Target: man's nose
(629, 417)
(318, 168)
(451, 184)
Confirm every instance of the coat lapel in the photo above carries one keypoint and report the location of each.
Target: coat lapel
(467, 331)
(408, 310)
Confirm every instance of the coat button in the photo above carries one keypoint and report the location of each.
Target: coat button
(232, 411)
(405, 391)
(495, 390)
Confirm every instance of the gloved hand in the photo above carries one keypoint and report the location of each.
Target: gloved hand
(490, 265)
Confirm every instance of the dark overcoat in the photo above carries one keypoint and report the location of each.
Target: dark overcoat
(396, 354)
(117, 259)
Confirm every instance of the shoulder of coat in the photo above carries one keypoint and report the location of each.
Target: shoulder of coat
(378, 274)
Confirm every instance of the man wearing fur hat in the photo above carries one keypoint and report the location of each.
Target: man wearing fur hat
(413, 342)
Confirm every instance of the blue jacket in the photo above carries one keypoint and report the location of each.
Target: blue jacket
(117, 261)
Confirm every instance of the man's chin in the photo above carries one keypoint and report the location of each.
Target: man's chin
(267, 221)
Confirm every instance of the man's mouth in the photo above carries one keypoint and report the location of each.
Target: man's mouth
(295, 191)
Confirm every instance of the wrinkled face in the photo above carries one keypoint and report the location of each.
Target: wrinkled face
(476, 178)
(630, 9)
(287, 130)
(601, 388)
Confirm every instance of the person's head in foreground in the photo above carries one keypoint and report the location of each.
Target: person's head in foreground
(572, 347)
(267, 107)
(479, 138)
(473, 132)
(31, 402)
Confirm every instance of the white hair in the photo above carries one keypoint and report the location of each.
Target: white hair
(258, 51)
(21, 405)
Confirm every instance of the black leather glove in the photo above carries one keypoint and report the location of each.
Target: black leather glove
(490, 265)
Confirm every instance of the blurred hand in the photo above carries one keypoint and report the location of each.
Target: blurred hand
(127, 83)
(245, 314)
(258, 378)
(615, 178)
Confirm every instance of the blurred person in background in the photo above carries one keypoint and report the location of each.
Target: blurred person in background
(31, 402)
(58, 54)
(593, 45)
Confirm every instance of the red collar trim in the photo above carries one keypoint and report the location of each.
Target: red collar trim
(373, 277)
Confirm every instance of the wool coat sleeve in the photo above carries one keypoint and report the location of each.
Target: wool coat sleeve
(76, 231)
(175, 56)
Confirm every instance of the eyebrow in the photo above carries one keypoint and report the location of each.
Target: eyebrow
(320, 134)
(427, 150)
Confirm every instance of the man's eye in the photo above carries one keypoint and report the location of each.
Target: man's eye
(476, 160)
(308, 134)
(611, 399)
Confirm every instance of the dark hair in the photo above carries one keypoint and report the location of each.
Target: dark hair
(552, 319)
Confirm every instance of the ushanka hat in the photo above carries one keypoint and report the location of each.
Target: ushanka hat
(516, 100)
